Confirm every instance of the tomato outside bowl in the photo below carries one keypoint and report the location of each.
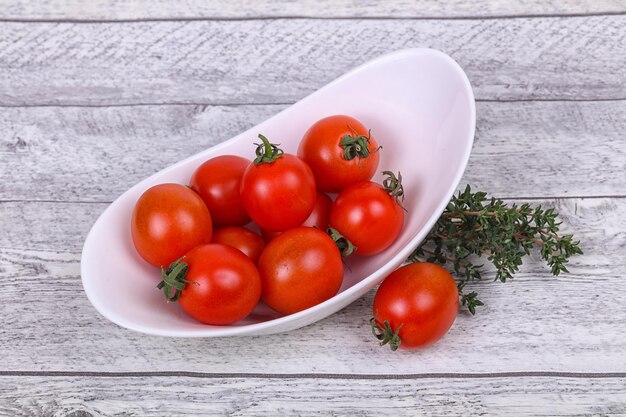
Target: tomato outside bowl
(420, 106)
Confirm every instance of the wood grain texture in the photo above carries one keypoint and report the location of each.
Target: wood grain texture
(224, 9)
(280, 61)
(535, 323)
(158, 396)
(530, 149)
(222, 66)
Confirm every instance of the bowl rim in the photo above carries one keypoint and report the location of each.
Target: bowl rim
(370, 280)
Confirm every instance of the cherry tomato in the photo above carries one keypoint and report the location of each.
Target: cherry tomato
(168, 220)
(340, 152)
(299, 269)
(318, 218)
(278, 189)
(267, 235)
(218, 181)
(248, 242)
(368, 215)
(213, 283)
(415, 306)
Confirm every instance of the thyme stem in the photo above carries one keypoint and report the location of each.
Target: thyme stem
(474, 226)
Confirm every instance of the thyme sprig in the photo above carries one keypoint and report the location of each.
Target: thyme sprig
(474, 227)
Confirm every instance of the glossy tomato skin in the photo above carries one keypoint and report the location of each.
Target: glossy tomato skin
(279, 195)
(267, 235)
(224, 285)
(422, 298)
(318, 218)
(168, 220)
(218, 182)
(248, 242)
(367, 216)
(299, 269)
(320, 148)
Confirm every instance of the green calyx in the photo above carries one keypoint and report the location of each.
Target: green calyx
(356, 146)
(386, 335)
(393, 186)
(267, 152)
(173, 279)
(346, 248)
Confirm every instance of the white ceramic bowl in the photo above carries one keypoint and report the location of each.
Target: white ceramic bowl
(420, 107)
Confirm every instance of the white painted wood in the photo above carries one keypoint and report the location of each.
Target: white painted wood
(530, 149)
(224, 9)
(64, 155)
(158, 396)
(280, 61)
(536, 322)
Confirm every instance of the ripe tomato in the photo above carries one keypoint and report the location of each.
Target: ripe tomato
(213, 283)
(299, 269)
(168, 220)
(278, 189)
(267, 235)
(340, 152)
(318, 218)
(218, 181)
(415, 306)
(368, 215)
(248, 242)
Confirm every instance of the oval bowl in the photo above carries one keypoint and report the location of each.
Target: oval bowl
(420, 107)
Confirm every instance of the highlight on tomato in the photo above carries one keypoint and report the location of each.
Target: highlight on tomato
(213, 283)
(340, 151)
(366, 218)
(415, 306)
(278, 189)
(218, 182)
(167, 221)
(300, 269)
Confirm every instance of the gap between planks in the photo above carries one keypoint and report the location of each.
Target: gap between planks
(238, 104)
(305, 17)
(239, 375)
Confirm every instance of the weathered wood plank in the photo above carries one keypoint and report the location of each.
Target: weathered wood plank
(530, 149)
(279, 61)
(158, 396)
(142, 9)
(534, 323)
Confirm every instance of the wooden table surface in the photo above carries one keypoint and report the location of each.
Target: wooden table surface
(95, 96)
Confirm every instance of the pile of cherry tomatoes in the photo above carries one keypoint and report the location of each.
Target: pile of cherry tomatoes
(218, 268)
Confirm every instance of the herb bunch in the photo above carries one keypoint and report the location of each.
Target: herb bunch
(473, 227)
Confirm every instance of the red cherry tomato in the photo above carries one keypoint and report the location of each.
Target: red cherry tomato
(318, 218)
(248, 242)
(340, 152)
(267, 235)
(368, 216)
(218, 181)
(278, 190)
(299, 269)
(168, 220)
(220, 286)
(415, 306)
